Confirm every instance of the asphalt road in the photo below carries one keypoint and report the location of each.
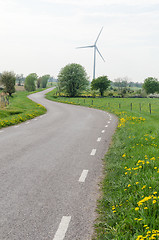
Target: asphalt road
(50, 168)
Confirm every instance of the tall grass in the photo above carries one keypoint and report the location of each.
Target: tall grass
(129, 205)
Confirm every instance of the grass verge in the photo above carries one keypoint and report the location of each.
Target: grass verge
(129, 206)
(19, 110)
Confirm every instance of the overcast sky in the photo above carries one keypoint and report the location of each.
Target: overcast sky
(42, 35)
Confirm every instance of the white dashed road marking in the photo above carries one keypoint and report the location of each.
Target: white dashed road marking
(1, 131)
(99, 139)
(103, 131)
(108, 122)
(83, 176)
(16, 126)
(62, 229)
(27, 123)
(106, 125)
(93, 152)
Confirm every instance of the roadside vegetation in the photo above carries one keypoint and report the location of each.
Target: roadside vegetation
(129, 205)
(20, 109)
(15, 107)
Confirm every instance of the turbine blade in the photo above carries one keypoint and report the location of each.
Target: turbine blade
(86, 46)
(100, 54)
(98, 36)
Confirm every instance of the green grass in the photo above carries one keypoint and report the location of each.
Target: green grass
(19, 110)
(129, 205)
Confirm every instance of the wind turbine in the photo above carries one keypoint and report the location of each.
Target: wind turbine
(95, 49)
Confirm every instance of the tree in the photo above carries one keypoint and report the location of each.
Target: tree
(30, 82)
(151, 85)
(101, 84)
(73, 79)
(38, 82)
(8, 80)
(19, 79)
(44, 80)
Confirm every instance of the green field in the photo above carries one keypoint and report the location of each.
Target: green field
(129, 204)
(19, 110)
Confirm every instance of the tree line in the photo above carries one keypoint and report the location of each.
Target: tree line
(31, 82)
(73, 80)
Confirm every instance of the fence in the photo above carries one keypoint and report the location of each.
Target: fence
(117, 105)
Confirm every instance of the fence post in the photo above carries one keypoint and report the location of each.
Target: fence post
(119, 105)
(84, 101)
(92, 102)
(140, 107)
(150, 107)
(131, 106)
(108, 104)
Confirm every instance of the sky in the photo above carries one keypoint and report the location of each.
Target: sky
(42, 36)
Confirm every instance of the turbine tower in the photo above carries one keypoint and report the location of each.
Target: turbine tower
(95, 49)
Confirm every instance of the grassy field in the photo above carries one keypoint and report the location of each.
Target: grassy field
(19, 110)
(129, 205)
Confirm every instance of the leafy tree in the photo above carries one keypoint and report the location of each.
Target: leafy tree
(101, 84)
(30, 82)
(44, 80)
(38, 82)
(19, 79)
(73, 79)
(151, 85)
(8, 80)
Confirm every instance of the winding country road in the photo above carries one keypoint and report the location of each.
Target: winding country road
(50, 168)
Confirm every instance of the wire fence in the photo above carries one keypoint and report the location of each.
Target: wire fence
(138, 106)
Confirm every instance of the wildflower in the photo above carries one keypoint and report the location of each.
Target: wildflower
(137, 208)
(140, 237)
(137, 183)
